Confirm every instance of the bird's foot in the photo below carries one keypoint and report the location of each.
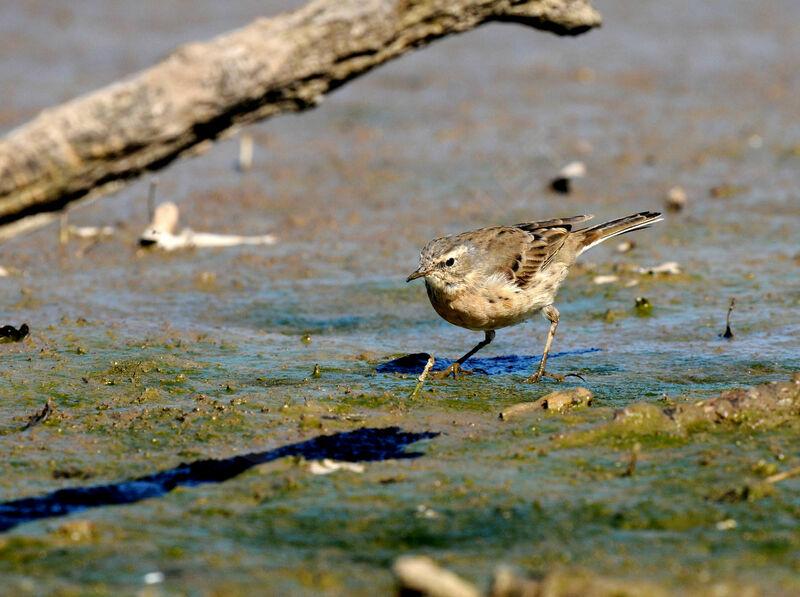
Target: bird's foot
(455, 370)
(537, 377)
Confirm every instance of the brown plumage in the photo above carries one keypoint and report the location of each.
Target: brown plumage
(494, 277)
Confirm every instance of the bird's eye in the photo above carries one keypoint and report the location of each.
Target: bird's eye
(450, 262)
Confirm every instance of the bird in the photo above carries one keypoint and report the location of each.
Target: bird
(499, 276)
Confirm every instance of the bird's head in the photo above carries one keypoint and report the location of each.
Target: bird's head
(444, 262)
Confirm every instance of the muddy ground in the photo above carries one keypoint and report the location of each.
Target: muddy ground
(184, 409)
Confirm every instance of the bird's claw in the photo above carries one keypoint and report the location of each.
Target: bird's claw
(573, 375)
(537, 377)
(455, 370)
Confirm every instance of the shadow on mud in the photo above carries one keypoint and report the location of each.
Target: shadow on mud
(513, 363)
(361, 445)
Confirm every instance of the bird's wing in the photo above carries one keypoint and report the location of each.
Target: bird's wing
(519, 252)
(544, 240)
(542, 245)
(567, 223)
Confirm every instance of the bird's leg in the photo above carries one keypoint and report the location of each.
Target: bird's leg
(455, 369)
(551, 314)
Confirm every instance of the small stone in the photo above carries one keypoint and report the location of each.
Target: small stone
(727, 524)
(558, 401)
(676, 199)
(625, 246)
(561, 183)
(153, 578)
(8, 333)
(670, 268)
(573, 170)
(605, 279)
(643, 306)
(327, 466)
(563, 399)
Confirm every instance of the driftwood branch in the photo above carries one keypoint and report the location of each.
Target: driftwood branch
(97, 142)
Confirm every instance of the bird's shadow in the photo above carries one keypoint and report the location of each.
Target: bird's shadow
(368, 444)
(513, 363)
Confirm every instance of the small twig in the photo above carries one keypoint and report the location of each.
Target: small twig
(423, 376)
(41, 416)
(744, 492)
(632, 464)
(728, 333)
(420, 575)
(63, 227)
(792, 472)
(245, 152)
(151, 199)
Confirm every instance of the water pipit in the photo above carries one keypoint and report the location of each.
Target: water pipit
(495, 277)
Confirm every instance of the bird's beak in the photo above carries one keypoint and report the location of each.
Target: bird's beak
(417, 274)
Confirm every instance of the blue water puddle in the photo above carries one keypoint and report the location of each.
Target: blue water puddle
(513, 363)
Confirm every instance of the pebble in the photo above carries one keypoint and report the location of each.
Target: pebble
(573, 170)
(555, 401)
(608, 279)
(669, 268)
(327, 466)
(676, 199)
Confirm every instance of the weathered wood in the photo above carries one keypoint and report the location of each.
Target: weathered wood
(97, 142)
(420, 575)
(557, 401)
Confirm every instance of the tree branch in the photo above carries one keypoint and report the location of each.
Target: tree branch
(95, 143)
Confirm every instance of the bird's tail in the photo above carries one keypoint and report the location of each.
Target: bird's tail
(597, 234)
